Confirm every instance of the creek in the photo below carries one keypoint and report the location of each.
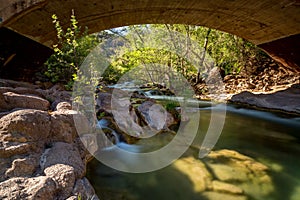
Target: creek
(270, 139)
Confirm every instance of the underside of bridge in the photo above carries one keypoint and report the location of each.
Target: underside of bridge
(274, 25)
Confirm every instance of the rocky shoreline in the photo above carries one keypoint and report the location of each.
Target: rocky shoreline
(40, 153)
(42, 156)
(283, 101)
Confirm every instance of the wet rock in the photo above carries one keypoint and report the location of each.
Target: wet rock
(219, 186)
(222, 196)
(155, 115)
(63, 153)
(121, 128)
(37, 188)
(196, 171)
(242, 171)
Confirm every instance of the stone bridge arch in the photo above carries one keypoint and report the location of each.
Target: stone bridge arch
(273, 25)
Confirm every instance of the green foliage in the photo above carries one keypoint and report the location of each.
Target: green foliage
(147, 59)
(230, 53)
(171, 105)
(71, 49)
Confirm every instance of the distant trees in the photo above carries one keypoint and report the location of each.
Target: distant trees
(230, 53)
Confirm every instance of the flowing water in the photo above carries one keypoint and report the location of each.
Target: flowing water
(267, 138)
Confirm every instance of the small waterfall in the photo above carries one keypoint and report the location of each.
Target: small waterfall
(103, 123)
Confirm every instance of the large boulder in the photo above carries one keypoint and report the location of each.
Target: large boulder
(63, 153)
(155, 115)
(64, 178)
(37, 188)
(231, 167)
(10, 100)
(24, 131)
(41, 155)
(285, 100)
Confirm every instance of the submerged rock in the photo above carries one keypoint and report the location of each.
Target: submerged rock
(233, 168)
(226, 174)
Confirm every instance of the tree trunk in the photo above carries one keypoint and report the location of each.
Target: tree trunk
(203, 54)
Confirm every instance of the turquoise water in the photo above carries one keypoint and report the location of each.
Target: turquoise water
(267, 138)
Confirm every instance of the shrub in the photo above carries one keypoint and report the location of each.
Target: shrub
(71, 49)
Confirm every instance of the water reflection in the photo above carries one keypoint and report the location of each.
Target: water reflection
(263, 143)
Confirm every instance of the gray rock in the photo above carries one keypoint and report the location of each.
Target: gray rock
(104, 101)
(155, 115)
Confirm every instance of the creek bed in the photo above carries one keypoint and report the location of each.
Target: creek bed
(269, 142)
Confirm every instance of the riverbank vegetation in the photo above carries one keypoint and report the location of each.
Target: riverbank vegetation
(239, 62)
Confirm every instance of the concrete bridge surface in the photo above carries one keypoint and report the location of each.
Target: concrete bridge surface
(273, 25)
